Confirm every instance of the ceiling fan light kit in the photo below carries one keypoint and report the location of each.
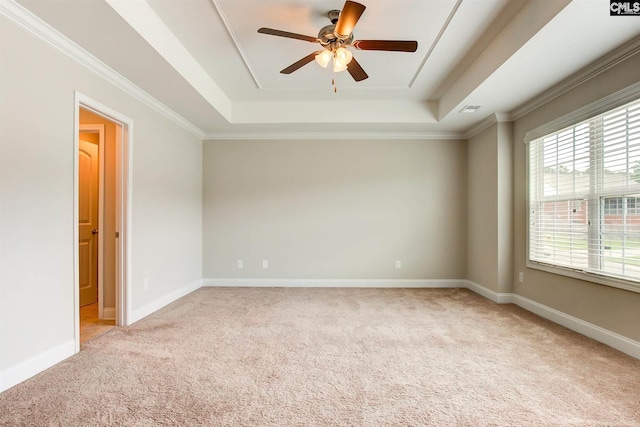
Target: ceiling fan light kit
(341, 58)
(336, 38)
(323, 58)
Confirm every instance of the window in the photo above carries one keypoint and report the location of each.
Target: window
(584, 197)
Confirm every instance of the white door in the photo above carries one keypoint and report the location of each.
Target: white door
(88, 184)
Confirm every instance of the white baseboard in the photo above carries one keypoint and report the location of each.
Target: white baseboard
(156, 305)
(336, 283)
(36, 364)
(109, 313)
(605, 336)
(497, 297)
(617, 341)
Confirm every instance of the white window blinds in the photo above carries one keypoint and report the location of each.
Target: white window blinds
(584, 195)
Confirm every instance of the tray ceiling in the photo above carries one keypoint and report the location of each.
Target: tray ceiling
(204, 59)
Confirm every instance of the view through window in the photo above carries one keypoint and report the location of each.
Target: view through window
(584, 195)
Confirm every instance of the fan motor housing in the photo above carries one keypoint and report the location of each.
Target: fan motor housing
(327, 37)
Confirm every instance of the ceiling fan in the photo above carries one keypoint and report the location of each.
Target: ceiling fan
(336, 38)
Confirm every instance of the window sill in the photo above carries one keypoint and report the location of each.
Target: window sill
(586, 276)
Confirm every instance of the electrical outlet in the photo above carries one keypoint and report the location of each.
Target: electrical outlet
(521, 277)
(265, 263)
(240, 263)
(398, 264)
(146, 283)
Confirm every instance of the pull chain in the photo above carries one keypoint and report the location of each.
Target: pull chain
(335, 88)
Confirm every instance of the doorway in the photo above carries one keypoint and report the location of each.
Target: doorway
(96, 224)
(102, 217)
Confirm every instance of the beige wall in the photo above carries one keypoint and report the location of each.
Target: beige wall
(335, 209)
(37, 84)
(108, 228)
(610, 308)
(482, 208)
(505, 206)
(489, 210)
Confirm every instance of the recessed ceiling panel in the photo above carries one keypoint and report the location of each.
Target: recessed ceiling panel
(266, 55)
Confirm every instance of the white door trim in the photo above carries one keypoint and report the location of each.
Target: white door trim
(124, 152)
(99, 129)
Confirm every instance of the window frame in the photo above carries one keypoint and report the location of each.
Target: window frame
(601, 106)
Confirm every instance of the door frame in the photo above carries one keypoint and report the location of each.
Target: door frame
(99, 129)
(124, 211)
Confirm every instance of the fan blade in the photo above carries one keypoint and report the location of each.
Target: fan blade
(388, 45)
(301, 63)
(356, 70)
(348, 18)
(287, 34)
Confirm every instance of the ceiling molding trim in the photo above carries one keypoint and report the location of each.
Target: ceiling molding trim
(435, 42)
(503, 117)
(601, 106)
(486, 123)
(601, 65)
(227, 26)
(248, 136)
(27, 20)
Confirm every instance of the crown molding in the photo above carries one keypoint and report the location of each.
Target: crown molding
(608, 61)
(248, 136)
(30, 22)
(480, 126)
(624, 52)
(601, 106)
(486, 123)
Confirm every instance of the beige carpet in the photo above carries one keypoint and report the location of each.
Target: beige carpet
(357, 357)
